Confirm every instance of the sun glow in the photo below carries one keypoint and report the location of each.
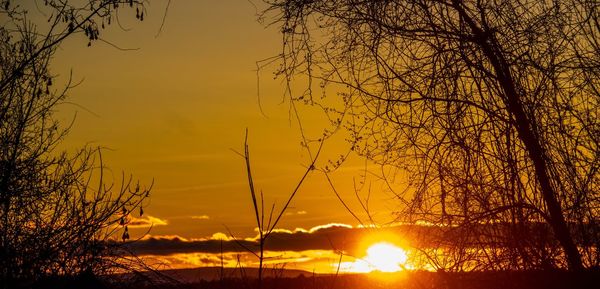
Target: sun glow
(382, 257)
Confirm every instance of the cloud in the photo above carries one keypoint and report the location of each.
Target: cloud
(299, 213)
(318, 247)
(337, 237)
(333, 237)
(146, 222)
(200, 217)
(221, 236)
(305, 260)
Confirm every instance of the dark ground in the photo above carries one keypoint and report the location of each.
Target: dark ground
(410, 280)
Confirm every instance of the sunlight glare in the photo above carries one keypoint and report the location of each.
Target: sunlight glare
(382, 257)
(385, 257)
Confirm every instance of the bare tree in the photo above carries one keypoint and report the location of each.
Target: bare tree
(490, 106)
(57, 210)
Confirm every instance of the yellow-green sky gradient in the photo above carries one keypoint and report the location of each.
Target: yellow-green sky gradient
(173, 110)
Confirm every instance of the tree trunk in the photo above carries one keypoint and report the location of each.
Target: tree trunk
(537, 155)
(523, 124)
(538, 158)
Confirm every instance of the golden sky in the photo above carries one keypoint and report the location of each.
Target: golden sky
(173, 109)
(170, 101)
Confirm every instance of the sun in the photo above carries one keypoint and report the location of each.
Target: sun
(385, 257)
(382, 257)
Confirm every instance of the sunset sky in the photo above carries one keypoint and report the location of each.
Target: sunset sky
(372, 137)
(174, 109)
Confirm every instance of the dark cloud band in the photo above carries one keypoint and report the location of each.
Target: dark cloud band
(332, 237)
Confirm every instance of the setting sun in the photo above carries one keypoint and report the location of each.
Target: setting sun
(382, 257)
(385, 257)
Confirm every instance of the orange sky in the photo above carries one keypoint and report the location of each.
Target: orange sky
(172, 110)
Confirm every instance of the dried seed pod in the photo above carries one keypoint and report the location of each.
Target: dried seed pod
(125, 234)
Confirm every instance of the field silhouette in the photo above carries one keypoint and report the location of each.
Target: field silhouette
(295, 279)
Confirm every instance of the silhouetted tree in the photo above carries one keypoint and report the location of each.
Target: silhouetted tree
(57, 212)
(491, 107)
